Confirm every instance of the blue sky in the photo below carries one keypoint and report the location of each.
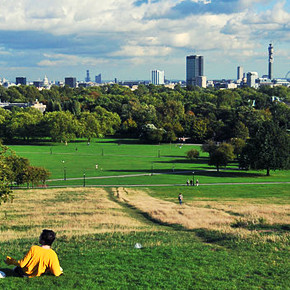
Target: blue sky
(126, 39)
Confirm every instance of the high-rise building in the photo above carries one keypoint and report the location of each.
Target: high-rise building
(194, 69)
(271, 60)
(21, 81)
(98, 79)
(251, 79)
(88, 79)
(71, 82)
(157, 77)
(240, 73)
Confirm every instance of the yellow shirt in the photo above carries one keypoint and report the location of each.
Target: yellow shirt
(38, 261)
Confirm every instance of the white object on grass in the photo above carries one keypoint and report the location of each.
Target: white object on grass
(61, 269)
(2, 274)
(138, 246)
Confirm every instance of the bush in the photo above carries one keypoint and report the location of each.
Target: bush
(192, 154)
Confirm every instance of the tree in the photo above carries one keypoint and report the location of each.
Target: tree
(62, 126)
(268, 149)
(90, 125)
(151, 134)
(192, 154)
(19, 167)
(5, 172)
(222, 155)
(238, 145)
(36, 175)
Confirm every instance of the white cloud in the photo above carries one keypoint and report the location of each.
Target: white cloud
(142, 51)
(68, 60)
(137, 33)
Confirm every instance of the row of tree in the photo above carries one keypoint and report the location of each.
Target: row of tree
(152, 113)
(17, 170)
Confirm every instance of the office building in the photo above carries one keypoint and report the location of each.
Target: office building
(240, 73)
(251, 79)
(38, 84)
(98, 79)
(271, 60)
(20, 81)
(71, 82)
(157, 77)
(194, 69)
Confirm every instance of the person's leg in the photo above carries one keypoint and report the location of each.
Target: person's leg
(18, 271)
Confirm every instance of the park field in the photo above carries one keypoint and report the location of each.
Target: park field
(116, 162)
(231, 232)
(233, 237)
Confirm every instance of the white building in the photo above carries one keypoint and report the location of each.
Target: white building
(157, 77)
(251, 79)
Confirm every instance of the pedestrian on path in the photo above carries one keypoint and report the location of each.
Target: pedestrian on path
(197, 182)
(180, 198)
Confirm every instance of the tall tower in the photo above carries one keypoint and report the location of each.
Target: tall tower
(194, 69)
(88, 79)
(271, 60)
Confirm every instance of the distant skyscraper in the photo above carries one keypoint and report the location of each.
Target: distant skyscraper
(271, 60)
(251, 79)
(88, 79)
(98, 79)
(194, 69)
(240, 73)
(157, 77)
(71, 82)
(20, 81)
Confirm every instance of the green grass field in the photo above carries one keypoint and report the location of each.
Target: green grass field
(124, 162)
(168, 260)
(97, 228)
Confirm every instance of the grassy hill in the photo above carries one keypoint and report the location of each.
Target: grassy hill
(223, 237)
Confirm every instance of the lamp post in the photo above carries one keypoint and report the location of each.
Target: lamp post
(193, 178)
(64, 170)
(84, 184)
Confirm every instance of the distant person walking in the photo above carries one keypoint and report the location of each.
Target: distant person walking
(191, 182)
(197, 182)
(187, 182)
(180, 198)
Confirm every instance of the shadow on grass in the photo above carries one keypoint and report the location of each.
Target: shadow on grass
(9, 272)
(263, 227)
(187, 172)
(120, 141)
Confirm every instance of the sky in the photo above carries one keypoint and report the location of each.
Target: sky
(126, 39)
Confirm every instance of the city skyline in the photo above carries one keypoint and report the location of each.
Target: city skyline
(126, 39)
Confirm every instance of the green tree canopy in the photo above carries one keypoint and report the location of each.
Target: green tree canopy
(268, 149)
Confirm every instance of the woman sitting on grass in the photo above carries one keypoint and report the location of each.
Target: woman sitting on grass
(39, 259)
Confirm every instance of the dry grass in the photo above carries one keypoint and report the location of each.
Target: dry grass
(210, 215)
(80, 211)
(67, 211)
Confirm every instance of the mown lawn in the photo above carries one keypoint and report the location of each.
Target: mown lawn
(123, 162)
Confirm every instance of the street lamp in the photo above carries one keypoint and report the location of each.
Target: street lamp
(84, 180)
(64, 170)
(193, 178)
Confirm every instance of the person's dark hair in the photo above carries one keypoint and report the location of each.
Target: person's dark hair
(47, 237)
